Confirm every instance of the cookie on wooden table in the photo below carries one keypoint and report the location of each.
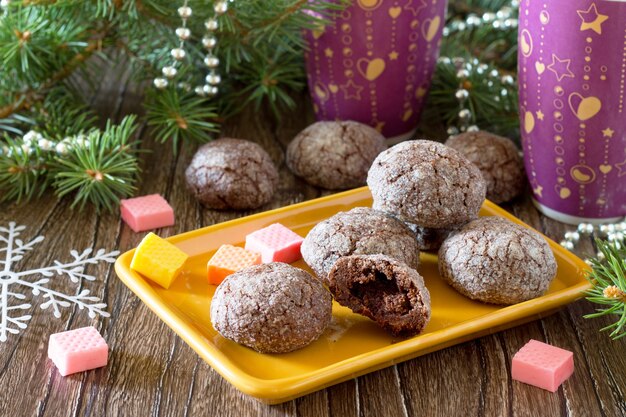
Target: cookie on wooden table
(426, 183)
(360, 231)
(497, 261)
(497, 158)
(383, 289)
(271, 308)
(232, 174)
(334, 155)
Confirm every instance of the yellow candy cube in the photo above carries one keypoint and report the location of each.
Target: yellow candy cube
(158, 260)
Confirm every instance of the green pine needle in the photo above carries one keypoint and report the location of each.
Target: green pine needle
(608, 278)
(176, 117)
(23, 175)
(102, 172)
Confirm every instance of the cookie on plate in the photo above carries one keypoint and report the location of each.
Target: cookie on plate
(232, 174)
(498, 160)
(496, 261)
(334, 155)
(383, 289)
(271, 308)
(360, 231)
(426, 183)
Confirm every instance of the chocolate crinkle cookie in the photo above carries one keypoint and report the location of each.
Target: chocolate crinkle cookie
(360, 231)
(426, 183)
(271, 308)
(497, 158)
(334, 155)
(232, 174)
(497, 261)
(383, 289)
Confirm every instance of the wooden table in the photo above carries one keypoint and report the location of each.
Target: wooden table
(151, 371)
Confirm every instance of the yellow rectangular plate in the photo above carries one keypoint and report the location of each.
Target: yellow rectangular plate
(353, 345)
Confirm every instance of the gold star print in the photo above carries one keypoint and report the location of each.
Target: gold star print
(621, 167)
(379, 126)
(538, 190)
(591, 19)
(328, 52)
(351, 90)
(608, 132)
(415, 6)
(560, 67)
(540, 115)
(393, 55)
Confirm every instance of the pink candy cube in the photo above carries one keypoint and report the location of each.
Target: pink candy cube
(147, 212)
(78, 350)
(275, 243)
(542, 365)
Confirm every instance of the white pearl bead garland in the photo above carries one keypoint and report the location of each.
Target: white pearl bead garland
(209, 41)
(613, 232)
(33, 143)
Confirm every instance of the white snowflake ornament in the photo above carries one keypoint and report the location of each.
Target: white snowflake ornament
(12, 250)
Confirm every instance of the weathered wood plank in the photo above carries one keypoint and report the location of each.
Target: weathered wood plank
(153, 372)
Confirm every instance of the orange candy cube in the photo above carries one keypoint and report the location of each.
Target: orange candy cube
(229, 259)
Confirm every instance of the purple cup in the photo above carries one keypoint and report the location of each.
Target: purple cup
(374, 64)
(572, 74)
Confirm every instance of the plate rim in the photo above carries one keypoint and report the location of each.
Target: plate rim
(282, 389)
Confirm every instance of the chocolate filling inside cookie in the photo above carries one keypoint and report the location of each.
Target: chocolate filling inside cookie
(379, 292)
(383, 289)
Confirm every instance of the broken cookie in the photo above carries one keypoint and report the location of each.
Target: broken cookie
(383, 289)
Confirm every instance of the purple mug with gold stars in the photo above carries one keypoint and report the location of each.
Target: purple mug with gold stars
(375, 62)
(572, 80)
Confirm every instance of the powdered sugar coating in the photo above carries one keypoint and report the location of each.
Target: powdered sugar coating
(334, 155)
(497, 261)
(232, 174)
(360, 231)
(426, 183)
(271, 308)
(497, 158)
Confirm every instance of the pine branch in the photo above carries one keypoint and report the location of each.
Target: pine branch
(25, 99)
(608, 280)
(100, 170)
(23, 171)
(179, 117)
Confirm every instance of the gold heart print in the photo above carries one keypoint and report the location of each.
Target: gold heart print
(394, 12)
(370, 69)
(605, 169)
(584, 107)
(540, 67)
(430, 28)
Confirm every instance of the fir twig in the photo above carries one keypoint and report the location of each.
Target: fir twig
(102, 170)
(23, 172)
(176, 116)
(608, 280)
